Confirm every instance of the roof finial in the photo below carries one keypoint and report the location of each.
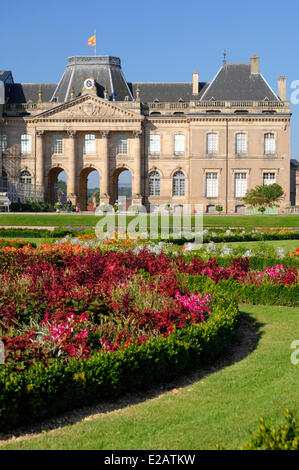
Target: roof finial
(138, 93)
(224, 57)
(40, 94)
(105, 93)
(72, 93)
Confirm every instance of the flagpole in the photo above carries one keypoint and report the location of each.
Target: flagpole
(95, 43)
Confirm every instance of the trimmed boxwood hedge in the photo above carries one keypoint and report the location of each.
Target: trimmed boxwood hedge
(44, 391)
(266, 294)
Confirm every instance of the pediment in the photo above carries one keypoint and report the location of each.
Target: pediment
(87, 107)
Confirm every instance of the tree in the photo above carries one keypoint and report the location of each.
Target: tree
(264, 196)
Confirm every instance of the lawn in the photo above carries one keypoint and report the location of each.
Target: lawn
(287, 245)
(255, 378)
(76, 220)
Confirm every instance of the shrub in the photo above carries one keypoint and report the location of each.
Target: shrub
(285, 437)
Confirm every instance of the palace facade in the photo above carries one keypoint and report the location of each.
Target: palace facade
(184, 143)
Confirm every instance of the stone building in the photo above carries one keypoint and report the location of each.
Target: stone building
(184, 143)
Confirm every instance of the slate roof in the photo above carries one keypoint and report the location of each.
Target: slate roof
(150, 92)
(232, 82)
(25, 92)
(106, 70)
(236, 82)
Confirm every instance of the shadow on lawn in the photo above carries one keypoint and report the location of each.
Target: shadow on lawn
(245, 341)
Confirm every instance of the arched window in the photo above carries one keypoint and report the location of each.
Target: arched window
(178, 184)
(90, 144)
(241, 143)
(154, 184)
(25, 177)
(212, 143)
(269, 143)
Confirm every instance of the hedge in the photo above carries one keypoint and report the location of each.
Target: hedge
(247, 237)
(265, 294)
(44, 391)
(36, 233)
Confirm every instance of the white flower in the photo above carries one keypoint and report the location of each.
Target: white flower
(211, 248)
(280, 253)
(248, 254)
(226, 251)
(188, 247)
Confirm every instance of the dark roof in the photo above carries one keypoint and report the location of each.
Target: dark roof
(150, 92)
(25, 92)
(236, 82)
(6, 76)
(106, 71)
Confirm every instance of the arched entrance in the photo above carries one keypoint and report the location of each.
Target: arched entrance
(122, 184)
(89, 192)
(57, 186)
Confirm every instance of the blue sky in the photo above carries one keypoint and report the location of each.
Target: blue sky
(160, 40)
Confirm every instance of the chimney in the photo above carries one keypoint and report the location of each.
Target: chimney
(282, 88)
(255, 64)
(195, 83)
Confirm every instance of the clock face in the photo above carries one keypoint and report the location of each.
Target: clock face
(89, 83)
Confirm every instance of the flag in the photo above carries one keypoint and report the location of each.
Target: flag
(92, 40)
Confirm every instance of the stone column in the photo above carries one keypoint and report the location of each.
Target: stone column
(71, 177)
(40, 165)
(104, 177)
(137, 179)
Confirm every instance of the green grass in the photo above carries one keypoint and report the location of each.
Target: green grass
(287, 245)
(91, 220)
(221, 408)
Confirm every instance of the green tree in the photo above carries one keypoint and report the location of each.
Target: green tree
(264, 196)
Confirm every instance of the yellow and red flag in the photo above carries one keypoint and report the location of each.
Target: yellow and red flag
(92, 40)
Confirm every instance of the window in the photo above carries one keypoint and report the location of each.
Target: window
(4, 182)
(269, 144)
(25, 144)
(241, 144)
(25, 177)
(3, 142)
(154, 184)
(90, 144)
(269, 178)
(58, 144)
(240, 184)
(212, 143)
(179, 144)
(154, 144)
(211, 184)
(178, 184)
(122, 145)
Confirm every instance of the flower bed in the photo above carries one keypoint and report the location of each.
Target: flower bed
(82, 324)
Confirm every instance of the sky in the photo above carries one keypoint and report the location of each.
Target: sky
(157, 41)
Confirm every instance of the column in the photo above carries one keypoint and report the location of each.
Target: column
(137, 189)
(104, 177)
(71, 177)
(40, 168)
